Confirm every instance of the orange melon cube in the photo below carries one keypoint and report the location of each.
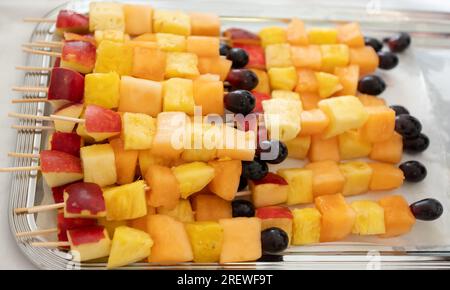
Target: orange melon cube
(214, 65)
(327, 178)
(307, 56)
(350, 34)
(348, 78)
(365, 57)
(210, 207)
(226, 178)
(307, 81)
(313, 122)
(206, 46)
(398, 218)
(126, 161)
(296, 33)
(380, 125)
(209, 96)
(371, 101)
(263, 81)
(164, 187)
(167, 124)
(338, 217)
(310, 100)
(389, 151)
(141, 223)
(149, 63)
(144, 38)
(236, 144)
(385, 176)
(299, 147)
(140, 96)
(138, 19)
(207, 24)
(324, 149)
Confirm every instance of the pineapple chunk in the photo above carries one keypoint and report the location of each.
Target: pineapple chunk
(319, 35)
(175, 22)
(369, 218)
(102, 89)
(272, 35)
(193, 177)
(283, 78)
(171, 42)
(198, 148)
(99, 164)
(181, 64)
(114, 56)
(106, 16)
(206, 241)
(282, 118)
(110, 226)
(299, 147)
(125, 202)
(138, 131)
(345, 113)
(357, 175)
(300, 185)
(353, 145)
(306, 226)
(147, 158)
(278, 55)
(178, 95)
(112, 35)
(129, 246)
(334, 55)
(328, 84)
(288, 95)
(182, 212)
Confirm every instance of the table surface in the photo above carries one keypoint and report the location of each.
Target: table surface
(13, 32)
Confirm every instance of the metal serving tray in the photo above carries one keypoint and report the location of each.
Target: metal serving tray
(412, 84)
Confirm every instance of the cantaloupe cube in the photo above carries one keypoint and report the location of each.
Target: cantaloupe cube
(141, 223)
(300, 185)
(338, 217)
(282, 118)
(319, 35)
(175, 22)
(306, 226)
(210, 207)
(369, 218)
(149, 63)
(298, 147)
(182, 65)
(389, 151)
(307, 81)
(140, 96)
(345, 113)
(370, 101)
(182, 211)
(350, 34)
(348, 78)
(272, 35)
(263, 81)
(380, 124)
(171, 242)
(164, 188)
(398, 218)
(125, 202)
(313, 122)
(385, 176)
(209, 96)
(307, 57)
(278, 55)
(323, 149)
(111, 35)
(193, 177)
(206, 240)
(106, 15)
(214, 65)
(283, 78)
(328, 84)
(296, 33)
(241, 240)
(126, 161)
(234, 144)
(357, 176)
(353, 145)
(99, 164)
(334, 55)
(138, 131)
(138, 19)
(178, 95)
(327, 178)
(310, 100)
(171, 42)
(207, 24)
(168, 124)
(365, 57)
(205, 46)
(102, 89)
(226, 178)
(114, 57)
(146, 39)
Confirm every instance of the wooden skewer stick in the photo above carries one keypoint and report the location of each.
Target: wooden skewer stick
(45, 118)
(30, 89)
(37, 128)
(69, 119)
(34, 68)
(41, 52)
(36, 233)
(41, 20)
(43, 45)
(23, 155)
(39, 208)
(55, 43)
(23, 168)
(50, 244)
(31, 100)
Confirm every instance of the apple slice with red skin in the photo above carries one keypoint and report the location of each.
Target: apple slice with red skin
(84, 199)
(256, 57)
(69, 110)
(101, 120)
(274, 212)
(88, 235)
(66, 142)
(70, 36)
(66, 86)
(239, 35)
(57, 62)
(271, 178)
(71, 21)
(259, 97)
(65, 224)
(59, 168)
(58, 193)
(79, 56)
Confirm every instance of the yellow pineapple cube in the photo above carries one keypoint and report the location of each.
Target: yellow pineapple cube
(129, 246)
(357, 175)
(328, 84)
(99, 164)
(298, 147)
(369, 218)
(272, 35)
(353, 145)
(182, 212)
(283, 94)
(306, 226)
(110, 226)
(175, 22)
(138, 131)
(111, 35)
(181, 65)
(106, 16)
(147, 158)
(178, 95)
(171, 42)
(206, 241)
(114, 57)
(345, 113)
(283, 78)
(198, 148)
(334, 55)
(102, 89)
(278, 55)
(319, 35)
(300, 185)
(193, 177)
(282, 118)
(125, 202)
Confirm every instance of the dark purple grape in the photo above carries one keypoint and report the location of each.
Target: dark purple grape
(238, 57)
(242, 208)
(414, 171)
(272, 151)
(399, 42)
(270, 258)
(371, 85)
(242, 79)
(224, 49)
(399, 110)
(254, 170)
(375, 43)
(408, 126)
(427, 209)
(416, 145)
(243, 182)
(274, 240)
(387, 60)
(239, 102)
